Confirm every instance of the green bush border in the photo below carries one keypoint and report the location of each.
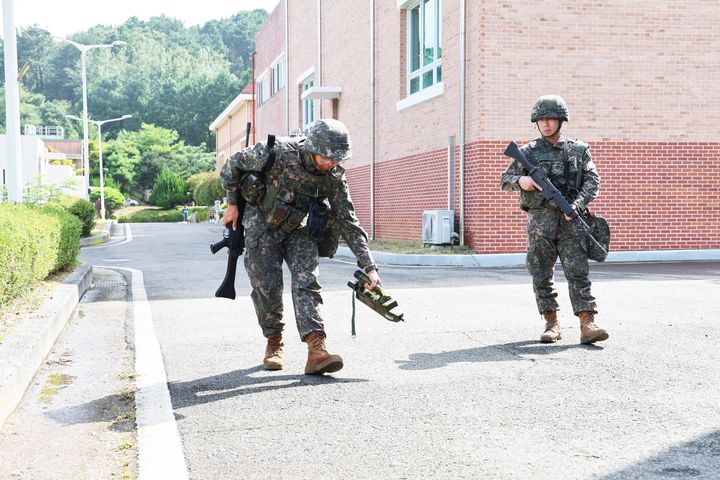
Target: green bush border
(34, 241)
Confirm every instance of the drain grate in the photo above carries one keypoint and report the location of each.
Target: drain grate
(109, 285)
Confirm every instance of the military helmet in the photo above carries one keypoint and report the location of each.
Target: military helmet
(550, 106)
(329, 138)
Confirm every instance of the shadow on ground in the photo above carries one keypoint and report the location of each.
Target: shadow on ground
(505, 352)
(698, 459)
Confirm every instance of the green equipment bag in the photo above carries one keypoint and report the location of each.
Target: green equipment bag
(599, 229)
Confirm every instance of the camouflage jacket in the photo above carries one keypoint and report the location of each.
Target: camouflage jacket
(544, 216)
(294, 183)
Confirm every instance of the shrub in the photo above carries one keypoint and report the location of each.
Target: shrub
(168, 190)
(151, 215)
(34, 242)
(114, 199)
(202, 214)
(70, 229)
(79, 207)
(206, 188)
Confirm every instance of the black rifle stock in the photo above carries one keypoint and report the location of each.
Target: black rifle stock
(549, 191)
(234, 240)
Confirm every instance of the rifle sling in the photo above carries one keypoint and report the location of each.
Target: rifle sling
(271, 154)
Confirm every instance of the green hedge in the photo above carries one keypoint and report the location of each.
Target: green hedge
(79, 207)
(151, 215)
(34, 241)
(114, 199)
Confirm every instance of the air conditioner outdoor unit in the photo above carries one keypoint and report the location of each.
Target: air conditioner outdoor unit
(438, 226)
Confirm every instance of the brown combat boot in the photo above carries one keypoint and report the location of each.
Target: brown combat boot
(552, 328)
(274, 353)
(589, 332)
(319, 360)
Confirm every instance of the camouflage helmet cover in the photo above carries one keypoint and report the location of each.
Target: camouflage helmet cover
(550, 106)
(329, 138)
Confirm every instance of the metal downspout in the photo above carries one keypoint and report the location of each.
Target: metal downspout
(372, 119)
(254, 102)
(462, 122)
(318, 72)
(287, 69)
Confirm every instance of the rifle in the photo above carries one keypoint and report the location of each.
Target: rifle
(234, 240)
(377, 299)
(549, 191)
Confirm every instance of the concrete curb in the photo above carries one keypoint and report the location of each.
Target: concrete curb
(97, 239)
(24, 351)
(518, 259)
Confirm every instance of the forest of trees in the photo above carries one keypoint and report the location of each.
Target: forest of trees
(171, 76)
(173, 80)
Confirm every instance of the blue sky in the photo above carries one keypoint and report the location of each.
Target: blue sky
(70, 16)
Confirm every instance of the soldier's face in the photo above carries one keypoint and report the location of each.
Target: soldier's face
(548, 126)
(324, 164)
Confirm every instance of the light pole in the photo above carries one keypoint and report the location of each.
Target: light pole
(99, 125)
(83, 50)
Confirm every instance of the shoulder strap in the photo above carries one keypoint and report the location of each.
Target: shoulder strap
(271, 154)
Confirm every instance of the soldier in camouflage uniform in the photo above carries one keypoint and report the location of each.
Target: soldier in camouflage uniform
(297, 201)
(550, 232)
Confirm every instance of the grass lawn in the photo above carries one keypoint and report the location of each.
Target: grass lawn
(415, 248)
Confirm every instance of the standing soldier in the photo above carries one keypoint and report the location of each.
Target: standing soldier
(297, 202)
(551, 233)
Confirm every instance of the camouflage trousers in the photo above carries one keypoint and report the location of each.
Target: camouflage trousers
(263, 262)
(542, 252)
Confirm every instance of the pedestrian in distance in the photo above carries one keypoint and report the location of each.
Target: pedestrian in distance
(297, 204)
(550, 233)
(185, 212)
(211, 215)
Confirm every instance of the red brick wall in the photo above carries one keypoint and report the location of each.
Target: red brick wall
(270, 42)
(656, 196)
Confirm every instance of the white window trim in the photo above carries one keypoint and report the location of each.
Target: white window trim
(310, 72)
(421, 96)
(423, 69)
(401, 4)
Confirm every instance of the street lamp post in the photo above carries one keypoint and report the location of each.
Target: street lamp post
(83, 50)
(99, 125)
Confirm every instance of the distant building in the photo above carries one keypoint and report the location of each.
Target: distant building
(40, 166)
(433, 90)
(231, 125)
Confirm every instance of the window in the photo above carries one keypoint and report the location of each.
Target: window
(308, 105)
(424, 40)
(263, 90)
(278, 77)
(271, 82)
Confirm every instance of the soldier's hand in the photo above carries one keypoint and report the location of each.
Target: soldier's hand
(526, 182)
(574, 207)
(375, 279)
(231, 216)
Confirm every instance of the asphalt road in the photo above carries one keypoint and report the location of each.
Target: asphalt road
(462, 389)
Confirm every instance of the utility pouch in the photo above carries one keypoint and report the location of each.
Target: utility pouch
(282, 215)
(328, 242)
(252, 187)
(317, 217)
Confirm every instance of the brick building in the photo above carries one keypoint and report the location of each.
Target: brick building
(433, 90)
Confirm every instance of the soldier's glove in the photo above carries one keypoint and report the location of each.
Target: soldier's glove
(317, 218)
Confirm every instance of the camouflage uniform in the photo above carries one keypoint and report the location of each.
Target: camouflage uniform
(276, 226)
(549, 234)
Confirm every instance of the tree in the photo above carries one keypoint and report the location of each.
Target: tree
(169, 190)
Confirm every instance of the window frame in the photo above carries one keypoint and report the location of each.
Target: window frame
(435, 66)
(307, 106)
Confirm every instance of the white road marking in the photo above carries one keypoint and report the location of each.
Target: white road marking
(160, 448)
